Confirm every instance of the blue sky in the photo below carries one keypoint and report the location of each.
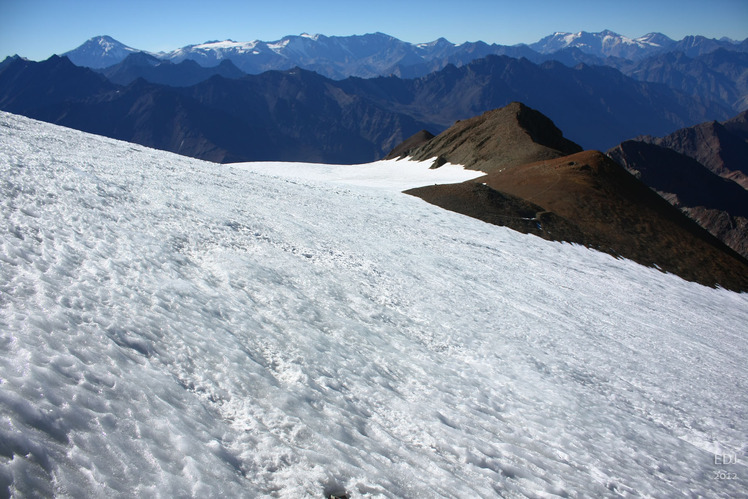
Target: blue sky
(39, 28)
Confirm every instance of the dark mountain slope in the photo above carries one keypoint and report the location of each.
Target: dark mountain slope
(721, 147)
(59, 92)
(321, 121)
(162, 118)
(313, 118)
(406, 147)
(597, 107)
(738, 125)
(153, 70)
(688, 181)
(8, 60)
(295, 115)
(717, 204)
(589, 199)
(27, 86)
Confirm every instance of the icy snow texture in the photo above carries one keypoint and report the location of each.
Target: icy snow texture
(170, 327)
(393, 175)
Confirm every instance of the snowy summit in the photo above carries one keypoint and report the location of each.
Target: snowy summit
(604, 44)
(100, 52)
(171, 327)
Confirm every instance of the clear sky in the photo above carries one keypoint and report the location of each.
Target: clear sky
(36, 29)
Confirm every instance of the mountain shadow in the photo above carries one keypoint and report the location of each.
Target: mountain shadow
(716, 203)
(721, 147)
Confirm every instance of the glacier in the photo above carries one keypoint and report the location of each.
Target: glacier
(171, 327)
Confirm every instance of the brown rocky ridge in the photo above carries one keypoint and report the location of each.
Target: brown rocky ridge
(505, 137)
(537, 182)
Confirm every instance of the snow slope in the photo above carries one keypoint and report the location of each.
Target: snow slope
(391, 175)
(170, 327)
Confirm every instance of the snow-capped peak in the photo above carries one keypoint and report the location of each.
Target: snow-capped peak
(99, 52)
(439, 42)
(603, 44)
(655, 40)
(279, 45)
(108, 44)
(225, 45)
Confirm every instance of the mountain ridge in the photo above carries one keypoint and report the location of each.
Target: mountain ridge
(310, 117)
(705, 68)
(701, 170)
(562, 193)
(379, 54)
(363, 118)
(182, 74)
(498, 139)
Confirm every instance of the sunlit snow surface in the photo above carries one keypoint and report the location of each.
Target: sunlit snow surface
(392, 175)
(170, 327)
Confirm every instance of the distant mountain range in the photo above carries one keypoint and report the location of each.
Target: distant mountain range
(378, 54)
(302, 116)
(708, 69)
(153, 70)
(335, 57)
(609, 44)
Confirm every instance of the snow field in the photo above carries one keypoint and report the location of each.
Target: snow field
(170, 327)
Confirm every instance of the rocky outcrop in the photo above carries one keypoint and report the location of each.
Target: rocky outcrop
(498, 139)
(584, 198)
